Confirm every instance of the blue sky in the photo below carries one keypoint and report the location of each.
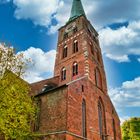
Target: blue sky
(31, 27)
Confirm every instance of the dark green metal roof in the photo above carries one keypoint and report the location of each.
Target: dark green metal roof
(77, 9)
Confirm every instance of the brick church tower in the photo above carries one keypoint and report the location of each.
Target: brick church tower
(74, 104)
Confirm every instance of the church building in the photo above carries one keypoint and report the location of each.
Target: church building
(74, 104)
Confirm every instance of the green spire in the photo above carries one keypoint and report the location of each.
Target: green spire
(77, 9)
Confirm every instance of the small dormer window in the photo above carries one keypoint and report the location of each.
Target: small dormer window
(43, 89)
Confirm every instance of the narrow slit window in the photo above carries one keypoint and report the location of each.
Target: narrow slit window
(84, 131)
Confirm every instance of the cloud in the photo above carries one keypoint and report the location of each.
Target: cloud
(128, 95)
(113, 11)
(42, 64)
(120, 43)
(116, 44)
(41, 12)
(100, 13)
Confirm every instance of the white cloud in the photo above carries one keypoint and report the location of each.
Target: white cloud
(100, 13)
(119, 44)
(128, 95)
(139, 59)
(41, 12)
(116, 44)
(41, 64)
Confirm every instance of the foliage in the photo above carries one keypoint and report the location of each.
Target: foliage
(11, 61)
(131, 129)
(16, 107)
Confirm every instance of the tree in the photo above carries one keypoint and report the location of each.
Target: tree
(131, 129)
(16, 107)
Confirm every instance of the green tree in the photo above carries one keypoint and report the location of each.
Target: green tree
(16, 107)
(131, 129)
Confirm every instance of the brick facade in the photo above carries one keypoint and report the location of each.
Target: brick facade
(62, 115)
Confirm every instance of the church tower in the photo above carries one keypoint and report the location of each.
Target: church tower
(75, 104)
(78, 51)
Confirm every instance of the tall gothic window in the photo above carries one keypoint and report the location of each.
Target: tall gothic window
(65, 51)
(114, 129)
(100, 115)
(75, 46)
(98, 78)
(84, 132)
(37, 121)
(75, 69)
(63, 74)
(101, 118)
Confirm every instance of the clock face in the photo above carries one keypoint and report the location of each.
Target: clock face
(70, 27)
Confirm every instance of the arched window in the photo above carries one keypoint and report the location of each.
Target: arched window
(98, 78)
(63, 74)
(38, 113)
(114, 129)
(65, 49)
(101, 118)
(75, 69)
(84, 131)
(75, 46)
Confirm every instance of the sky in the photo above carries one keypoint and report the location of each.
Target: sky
(31, 27)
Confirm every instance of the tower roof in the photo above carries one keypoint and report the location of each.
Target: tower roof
(77, 9)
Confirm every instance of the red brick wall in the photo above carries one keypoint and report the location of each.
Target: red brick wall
(92, 95)
(53, 111)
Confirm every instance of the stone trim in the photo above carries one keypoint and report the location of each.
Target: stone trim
(63, 132)
(77, 80)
